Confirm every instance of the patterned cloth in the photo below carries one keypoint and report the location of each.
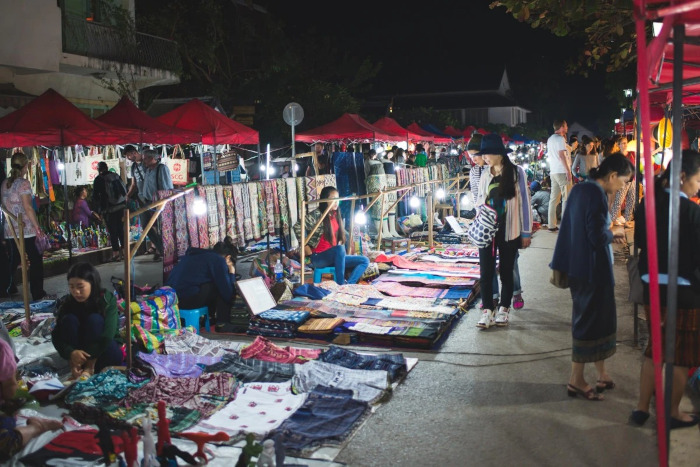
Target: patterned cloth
(248, 370)
(293, 208)
(296, 317)
(467, 270)
(179, 418)
(427, 280)
(192, 221)
(221, 203)
(269, 194)
(366, 385)
(102, 389)
(394, 364)
(213, 218)
(400, 290)
(177, 365)
(254, 209)
(202, 226)
(281, 200)
(194, 344)
(230, 214)
(239, 200)
(263, 349)
(181, 229)
(376, 183)
(206, 394)
(167, 226)
(258, 408)
(320, 325)
(311, 193)
(327, 418)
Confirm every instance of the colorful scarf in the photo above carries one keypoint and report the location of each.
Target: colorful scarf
(192, 222)
(254, 209)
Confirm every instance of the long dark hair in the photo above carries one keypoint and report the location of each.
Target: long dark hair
(322, 205)
(226, 248)
(690, 165)
(615, 162)
(88, 273)
(509, 177)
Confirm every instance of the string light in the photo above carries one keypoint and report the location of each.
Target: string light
(360, 218)
(414, 202)
(440, 193)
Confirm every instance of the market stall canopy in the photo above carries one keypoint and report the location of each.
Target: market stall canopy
(52, 120)
(391, 126)
(414, 127)
(215, 128)
(126, 114)
(468, 131)
(452, 131)
(349, 127)
(662, 65)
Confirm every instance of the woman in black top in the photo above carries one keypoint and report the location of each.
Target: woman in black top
(687, 348)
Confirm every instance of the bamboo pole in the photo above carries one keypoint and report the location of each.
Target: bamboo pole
(19, 241)
(381, 224)
(320, 220)
(350, 246)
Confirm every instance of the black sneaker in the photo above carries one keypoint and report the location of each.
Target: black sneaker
(226, 328)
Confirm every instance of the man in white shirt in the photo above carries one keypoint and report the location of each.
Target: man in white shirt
(559, 171)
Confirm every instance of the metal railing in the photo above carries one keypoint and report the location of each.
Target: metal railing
(96, 40)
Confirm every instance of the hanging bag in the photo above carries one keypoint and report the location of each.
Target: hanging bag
(178, 166)
(636, 294)
(483, 228)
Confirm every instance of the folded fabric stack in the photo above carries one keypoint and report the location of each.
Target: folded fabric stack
(277, 323)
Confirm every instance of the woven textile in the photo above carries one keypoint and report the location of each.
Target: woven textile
(258, 408)
(202, 225)
(182, 236)
(230, 214)
(282, 206)
(103, 388)
(391, 197)
(254, 209)
(320, 325)
(263, 349)
(376, 183)
(394, 364)
(301, 190)
(194, 344)
(247, 370)
(243, 225)
(427, 280)
(221, 203)
(293, 208)
(269, 195)
(311, 193)
(367, 385)
(212, 215)
(262, 209)
(177, 365)
(167, 227)
(206, 394)
(276, 202)
(468, 270)
(192, 222)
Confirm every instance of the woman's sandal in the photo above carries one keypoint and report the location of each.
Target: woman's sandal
(602, 385)
(590, 395)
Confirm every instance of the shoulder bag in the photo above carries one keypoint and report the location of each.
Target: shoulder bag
(483, 228)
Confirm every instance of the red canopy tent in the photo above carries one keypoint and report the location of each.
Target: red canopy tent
(350, 127)
(414, 127)
(468, 131)
(52, 120)
(126, 114)
(214, 127)
(452, 131)
(391, 126)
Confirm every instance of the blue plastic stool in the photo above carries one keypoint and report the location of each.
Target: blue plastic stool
(319, 272)
(192, 317)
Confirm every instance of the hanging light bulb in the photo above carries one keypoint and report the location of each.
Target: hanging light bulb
(467, 202)
(296, 167)
(199, 207)
(60, 166)
(360, 217)
(263, 167)
(272, 170)
(440, 193)
(414, 202)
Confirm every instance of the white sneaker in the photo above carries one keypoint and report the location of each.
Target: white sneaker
(486, 319)
(502, 316)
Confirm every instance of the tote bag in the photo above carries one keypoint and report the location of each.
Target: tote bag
(483, 228)
(178, 167)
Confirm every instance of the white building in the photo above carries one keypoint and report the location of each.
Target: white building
(80, 49)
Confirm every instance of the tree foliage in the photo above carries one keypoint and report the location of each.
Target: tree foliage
(606, 28)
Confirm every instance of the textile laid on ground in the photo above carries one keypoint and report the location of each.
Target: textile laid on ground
(206, 394)
(177, 365)
(366, 385)
(320, 325)
(101, 389)
(263, 349)
(428, 280)
(394, 364)
(400, 290)
(78, 447)
(248, 370)
(468, 270)
(258, 408)
(277, 323)
(329, 417)
(194, 344)
(180, 418)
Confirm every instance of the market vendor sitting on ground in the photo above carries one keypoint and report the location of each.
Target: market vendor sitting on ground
(12, 437)
(207, 278)
(326, 247)
(82, 214)
(87, 324)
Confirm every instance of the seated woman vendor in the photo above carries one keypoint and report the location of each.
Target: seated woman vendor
(207, 278)
(326, 247)
(87, 329)
(13, 438)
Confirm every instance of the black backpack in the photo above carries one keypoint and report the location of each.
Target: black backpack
(115, 188)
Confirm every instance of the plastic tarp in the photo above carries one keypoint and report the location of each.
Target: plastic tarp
(349, 127)
(126, 114)
(52, 120)
(414, 127)
(391, 126)
(214, 127)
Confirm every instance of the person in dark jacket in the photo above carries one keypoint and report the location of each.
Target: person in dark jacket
(87, 324)
(584, 253)
(687, 347)
(207, 278)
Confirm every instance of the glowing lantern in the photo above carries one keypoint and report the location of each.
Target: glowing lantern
(664, 133)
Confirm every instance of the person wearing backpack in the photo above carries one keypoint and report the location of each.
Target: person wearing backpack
(109, 195)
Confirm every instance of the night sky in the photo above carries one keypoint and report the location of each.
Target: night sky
(438, 45)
